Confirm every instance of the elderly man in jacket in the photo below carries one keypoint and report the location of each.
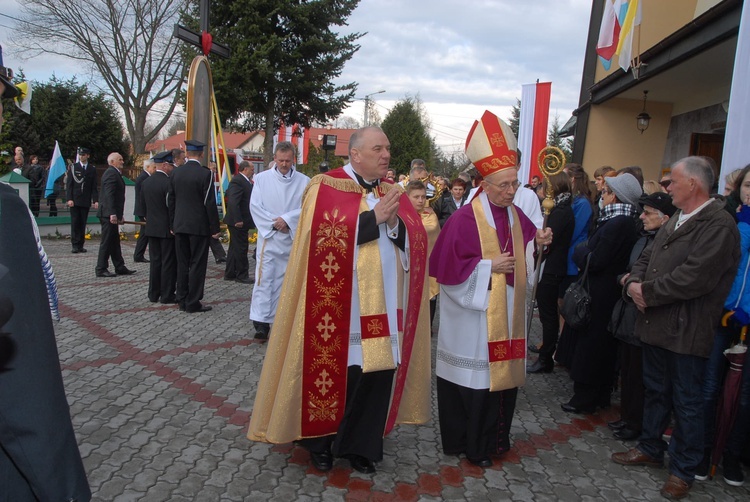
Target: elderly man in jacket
(679, 285)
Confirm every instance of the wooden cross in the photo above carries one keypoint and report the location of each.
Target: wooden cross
(194, 38)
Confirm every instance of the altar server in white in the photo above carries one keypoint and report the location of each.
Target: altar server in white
(275, 206)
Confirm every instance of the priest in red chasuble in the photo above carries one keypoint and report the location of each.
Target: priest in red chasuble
(349, 353)
(481, 261)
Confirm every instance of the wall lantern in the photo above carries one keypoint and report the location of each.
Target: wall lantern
(643, 119)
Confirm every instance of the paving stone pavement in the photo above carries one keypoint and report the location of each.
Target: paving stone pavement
(161, 399)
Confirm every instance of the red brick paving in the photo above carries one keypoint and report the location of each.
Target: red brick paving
(339, 477)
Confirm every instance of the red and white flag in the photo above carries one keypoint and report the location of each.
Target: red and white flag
(298, 136)
(532, 127)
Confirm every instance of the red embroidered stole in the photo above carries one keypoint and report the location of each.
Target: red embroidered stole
(328, 307)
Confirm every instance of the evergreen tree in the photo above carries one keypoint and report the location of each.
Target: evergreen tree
(68, 112)
(407, 129)
(515, 117)
(554, 139)
(285, 56)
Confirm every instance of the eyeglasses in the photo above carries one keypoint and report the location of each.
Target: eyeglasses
(607, 191)
(665, 183)
(503, 187)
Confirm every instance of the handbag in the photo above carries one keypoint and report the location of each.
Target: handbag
(576, 303)
(622, 322)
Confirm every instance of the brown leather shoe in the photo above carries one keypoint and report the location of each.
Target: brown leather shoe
(635, 456)
(675, 488)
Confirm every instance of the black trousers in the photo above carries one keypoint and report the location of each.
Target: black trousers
(141, 243)
(632, 392)
(110, 247)
(52, 203)
(162, 277)
(192, 261)
(474, 421)
(361, 430)
(238, 265)
(78, 217)
(546, 299)
(217, 249)
(35, 196)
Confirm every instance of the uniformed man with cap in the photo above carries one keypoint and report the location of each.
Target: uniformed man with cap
(140, 212)
(194, 220)
(154, 195)
(82, 190)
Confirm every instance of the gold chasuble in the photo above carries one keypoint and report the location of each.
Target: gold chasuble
(302, 387)
(507, 350)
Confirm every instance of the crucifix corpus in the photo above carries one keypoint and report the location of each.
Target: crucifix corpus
(200, 86)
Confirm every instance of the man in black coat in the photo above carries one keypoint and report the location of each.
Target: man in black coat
(163, 269)
(238, 222)
(194, 220)
(110, 215)
(82, 190)
(139, 211)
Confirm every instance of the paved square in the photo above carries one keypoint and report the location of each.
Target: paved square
(160, 401)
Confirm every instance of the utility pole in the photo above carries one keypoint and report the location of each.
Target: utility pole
(368, 102)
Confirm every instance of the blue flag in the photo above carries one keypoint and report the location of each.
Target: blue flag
(56, 169)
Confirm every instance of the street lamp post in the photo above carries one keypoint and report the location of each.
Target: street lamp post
(367, 106)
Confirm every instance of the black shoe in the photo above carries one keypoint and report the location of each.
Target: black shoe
(361, 464)
(125, 271)
(617, 425)
(74, 251)
(229, 278)
(262, 329)
(153, 300)
(540, 367)
(83, 250)
(105, 273)
(169, 301)
(322, 460)
(627, 434)
(141, 260)
(201, 308)
(246, 280)
(701, 472)
(732, 470)
(182, 307)
(481, 461)
(586, 410)
(535, 348)
(221, 260)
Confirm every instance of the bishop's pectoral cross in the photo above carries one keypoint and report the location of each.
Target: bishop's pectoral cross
(200, 86)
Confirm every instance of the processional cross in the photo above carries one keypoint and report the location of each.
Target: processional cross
(200, 86)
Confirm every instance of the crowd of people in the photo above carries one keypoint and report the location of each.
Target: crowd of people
(351, 267)
(667, 299)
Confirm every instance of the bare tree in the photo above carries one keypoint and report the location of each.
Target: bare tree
(127, 42)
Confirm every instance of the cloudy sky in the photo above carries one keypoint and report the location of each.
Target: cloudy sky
(459, 57)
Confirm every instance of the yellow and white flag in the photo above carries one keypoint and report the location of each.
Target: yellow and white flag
(23, 100)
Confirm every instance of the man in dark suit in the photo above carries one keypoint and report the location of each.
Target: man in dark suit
(194, 220)
(238, 222)
(111, 216)
(163, 269)
(139, 211)
(82, 190)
